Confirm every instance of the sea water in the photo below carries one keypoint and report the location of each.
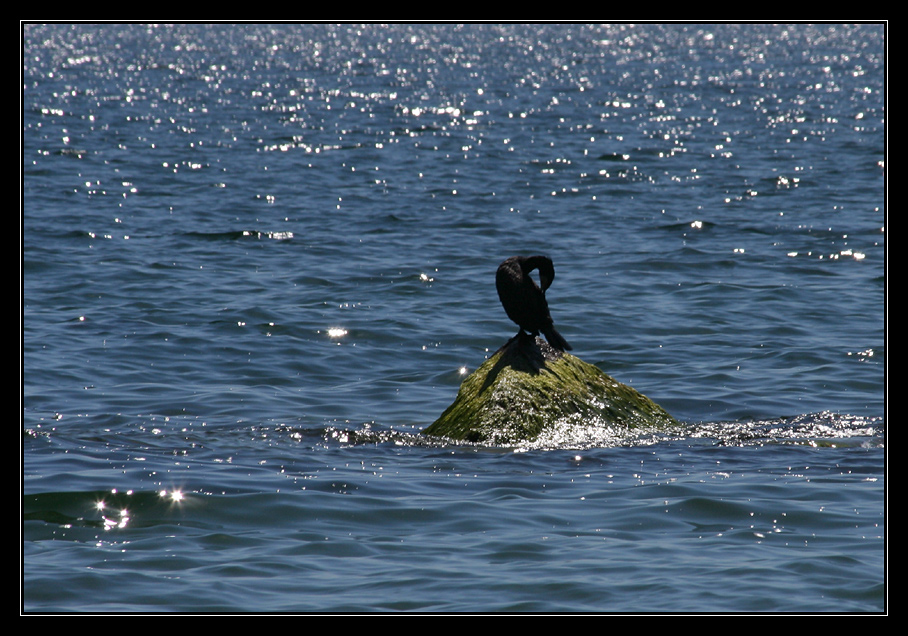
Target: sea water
(257, 260)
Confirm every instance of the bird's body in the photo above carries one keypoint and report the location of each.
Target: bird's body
(524, 301)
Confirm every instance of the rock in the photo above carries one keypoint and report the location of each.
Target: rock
(528, 389)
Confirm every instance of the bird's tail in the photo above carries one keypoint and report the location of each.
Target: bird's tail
(555, 339)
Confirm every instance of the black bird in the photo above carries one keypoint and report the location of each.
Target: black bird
(524, 301)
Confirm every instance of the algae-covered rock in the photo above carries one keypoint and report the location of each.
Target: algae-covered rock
(527, 388)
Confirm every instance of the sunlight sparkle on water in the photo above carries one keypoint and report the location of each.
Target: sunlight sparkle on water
(174, 495)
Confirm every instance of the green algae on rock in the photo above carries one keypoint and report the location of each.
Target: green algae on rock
(527, 388)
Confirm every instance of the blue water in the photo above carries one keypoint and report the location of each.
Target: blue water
(257, 260)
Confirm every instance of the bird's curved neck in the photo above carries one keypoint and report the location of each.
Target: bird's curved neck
(545, 267)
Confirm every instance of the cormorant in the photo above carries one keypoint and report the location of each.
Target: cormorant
(524, 301)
